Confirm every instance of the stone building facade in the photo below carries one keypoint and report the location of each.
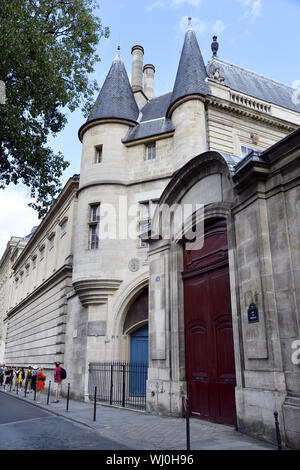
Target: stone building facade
(222, 317)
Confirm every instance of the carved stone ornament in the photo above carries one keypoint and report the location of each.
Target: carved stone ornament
(214, 74)
(134, 265)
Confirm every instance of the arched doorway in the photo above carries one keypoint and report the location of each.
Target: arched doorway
(138, 361)
(136, 330)
(210, 364)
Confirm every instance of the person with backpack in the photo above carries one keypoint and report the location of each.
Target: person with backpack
(59, 375)
(28, 379)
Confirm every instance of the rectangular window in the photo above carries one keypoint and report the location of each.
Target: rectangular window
(21, 277)
(151, 151)
(95, 212)
(98, 154)
(94, 239)
(94, 219)
(34, 262)
(63, 226)
(27, 270)
(17, 281)
(51, 243)
(42, 253)
(144, 220)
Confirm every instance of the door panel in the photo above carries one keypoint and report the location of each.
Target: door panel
(210, 365)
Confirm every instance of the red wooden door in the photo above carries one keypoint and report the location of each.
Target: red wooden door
(210, 363)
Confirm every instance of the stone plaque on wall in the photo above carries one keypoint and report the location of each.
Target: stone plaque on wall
(96, 328)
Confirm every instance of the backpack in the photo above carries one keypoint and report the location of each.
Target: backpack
(63, 373)
(29, 374)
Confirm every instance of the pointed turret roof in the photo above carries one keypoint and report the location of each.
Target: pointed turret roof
(191, 74)
(116, 99)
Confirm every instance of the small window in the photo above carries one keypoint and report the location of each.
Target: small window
(95, 213)
(63, 227)
(94, 239)
(42, 253)
(21, 277)
(34, 262)
(151, 151)
(17, 282)
(51, 242)
(27, 270)
(98, 154)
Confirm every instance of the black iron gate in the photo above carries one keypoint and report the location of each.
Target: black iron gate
(119, 383)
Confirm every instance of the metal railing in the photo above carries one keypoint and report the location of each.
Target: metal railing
(119, 383)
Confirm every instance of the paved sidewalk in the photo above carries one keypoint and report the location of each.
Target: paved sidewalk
(143, 431)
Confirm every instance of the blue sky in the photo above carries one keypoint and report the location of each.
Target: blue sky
(260, 35)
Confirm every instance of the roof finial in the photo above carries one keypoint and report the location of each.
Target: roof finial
(215, 46)
(190, 26)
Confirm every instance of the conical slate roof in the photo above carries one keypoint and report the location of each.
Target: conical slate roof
(115, 99)
(191, 74)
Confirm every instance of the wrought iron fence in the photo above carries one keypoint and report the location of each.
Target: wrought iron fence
(119, 383)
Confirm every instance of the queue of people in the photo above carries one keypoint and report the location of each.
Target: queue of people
(30, 379)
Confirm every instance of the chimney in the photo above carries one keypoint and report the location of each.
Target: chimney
(137, 53)
(149, 71)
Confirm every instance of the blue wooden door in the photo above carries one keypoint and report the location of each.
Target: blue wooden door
(138, 361)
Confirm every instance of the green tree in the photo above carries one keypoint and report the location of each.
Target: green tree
(48, 50)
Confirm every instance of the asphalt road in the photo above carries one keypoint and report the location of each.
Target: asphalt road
(27, 427)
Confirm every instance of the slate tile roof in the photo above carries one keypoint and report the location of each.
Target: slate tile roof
(116, 99)
(255, 85)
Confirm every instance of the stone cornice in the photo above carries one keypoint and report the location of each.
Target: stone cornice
(107, 120)
(247, 112)
(182, 100)
(95, 291)
(58, 276)
(68, 191)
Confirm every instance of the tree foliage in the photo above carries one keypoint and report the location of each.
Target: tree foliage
(48, 50)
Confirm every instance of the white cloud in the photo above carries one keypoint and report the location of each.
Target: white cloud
(172, 4)
(218, 27)
(253, 9)
(202, 27)
(16, 218)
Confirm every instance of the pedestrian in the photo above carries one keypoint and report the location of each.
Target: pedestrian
(2, 372)
(7, 378)
(21, 377)
(34, 377)
(28, 379)
(57, 381)
(40, 383)
(15, 378)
